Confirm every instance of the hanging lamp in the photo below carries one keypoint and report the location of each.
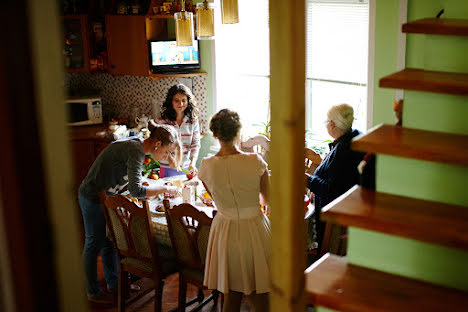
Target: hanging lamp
(229, 12)
(184, 27)
(205, 20)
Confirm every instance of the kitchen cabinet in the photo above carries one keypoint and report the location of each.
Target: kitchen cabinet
(124, 48)
(86, 146)
(127, 42)
(76, 43)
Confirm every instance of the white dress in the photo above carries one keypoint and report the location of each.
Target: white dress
(239, 244)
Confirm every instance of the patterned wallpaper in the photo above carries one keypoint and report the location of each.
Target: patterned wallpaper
(125, 96)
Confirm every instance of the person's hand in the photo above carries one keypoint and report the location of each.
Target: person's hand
(193, 170)
(172, 162)
(173, 190)
(307, 176)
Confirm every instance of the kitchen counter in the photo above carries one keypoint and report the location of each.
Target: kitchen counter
(81, 133)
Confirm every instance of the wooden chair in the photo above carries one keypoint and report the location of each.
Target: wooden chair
(312, 160)
(259, 144)
(130, 229)
(189, 229)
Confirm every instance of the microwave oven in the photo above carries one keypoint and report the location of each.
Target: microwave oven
(84, 111)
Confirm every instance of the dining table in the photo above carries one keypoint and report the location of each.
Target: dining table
(158, 217)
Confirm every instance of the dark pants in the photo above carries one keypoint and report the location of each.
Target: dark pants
(96, 241)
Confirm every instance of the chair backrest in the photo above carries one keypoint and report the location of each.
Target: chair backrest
(189, 229)
(129, 227)
(312, 160)
(259, 144)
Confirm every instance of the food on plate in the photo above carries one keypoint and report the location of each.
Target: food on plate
(160, 208)
(167, 195)
(177, 182)
(154, 175)
(206, 199)
(191, 183)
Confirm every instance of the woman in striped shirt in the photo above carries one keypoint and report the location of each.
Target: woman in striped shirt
(179, 110)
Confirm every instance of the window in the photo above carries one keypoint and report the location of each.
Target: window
(243, 65)
(336, 67)
(337, 57)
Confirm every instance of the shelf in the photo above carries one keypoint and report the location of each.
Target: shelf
(413, 143)
(161, 16)
(334, 284)
(162, 76)
(437, 26)
(427, 81)
(417, 219)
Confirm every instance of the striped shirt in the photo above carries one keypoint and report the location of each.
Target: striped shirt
(189, 136)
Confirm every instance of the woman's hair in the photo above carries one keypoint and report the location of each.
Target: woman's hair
(168, 112)
(168, 136)
(225, 125)
(342, 115)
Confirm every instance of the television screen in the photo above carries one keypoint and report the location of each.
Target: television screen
(167, 57)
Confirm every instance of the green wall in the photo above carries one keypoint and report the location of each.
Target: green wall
(414, 178)
(385, 57)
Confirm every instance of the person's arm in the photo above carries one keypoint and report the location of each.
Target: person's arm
(340, 174)
(195, 145)
(134, 169)
(264, 186)
(136, 186)
(155, 190)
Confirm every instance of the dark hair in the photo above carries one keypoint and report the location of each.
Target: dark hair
(225, 125)
(168, 112)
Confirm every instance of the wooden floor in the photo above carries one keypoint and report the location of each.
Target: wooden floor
(170, 293)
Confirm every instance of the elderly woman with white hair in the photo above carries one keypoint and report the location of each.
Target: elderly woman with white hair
(338, 171)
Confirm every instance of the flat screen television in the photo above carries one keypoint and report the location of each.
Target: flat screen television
(166, 57)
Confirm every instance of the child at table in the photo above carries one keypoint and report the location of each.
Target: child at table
(119, 165)
(237, 259)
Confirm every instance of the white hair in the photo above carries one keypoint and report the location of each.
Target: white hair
(342, 115)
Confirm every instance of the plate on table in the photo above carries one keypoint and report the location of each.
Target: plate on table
(159, 209)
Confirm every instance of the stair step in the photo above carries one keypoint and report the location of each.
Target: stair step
(427, 81)
(417, 219)
(414, 143)
(437, 26)
(334, 284)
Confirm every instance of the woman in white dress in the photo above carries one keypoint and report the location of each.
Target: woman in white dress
(237, 260)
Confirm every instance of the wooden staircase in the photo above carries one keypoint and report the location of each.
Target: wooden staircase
(334, 283)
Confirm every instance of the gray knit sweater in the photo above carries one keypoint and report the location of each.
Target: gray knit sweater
(119, 163)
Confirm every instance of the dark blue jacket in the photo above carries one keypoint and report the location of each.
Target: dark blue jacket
(337, 173)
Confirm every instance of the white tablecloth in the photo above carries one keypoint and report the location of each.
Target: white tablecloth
(158, 219)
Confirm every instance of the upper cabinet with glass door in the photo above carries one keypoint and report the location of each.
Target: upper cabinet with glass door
(76, 43)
